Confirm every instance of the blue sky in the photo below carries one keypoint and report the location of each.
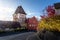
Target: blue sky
(31, 7)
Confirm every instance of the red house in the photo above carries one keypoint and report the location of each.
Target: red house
(32, 23)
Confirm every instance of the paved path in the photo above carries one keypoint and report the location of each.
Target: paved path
(21, 36)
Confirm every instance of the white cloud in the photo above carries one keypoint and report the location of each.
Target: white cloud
(6, 13)
(31, 14)
(38, 17)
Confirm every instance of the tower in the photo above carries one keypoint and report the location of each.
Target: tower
(19, 15)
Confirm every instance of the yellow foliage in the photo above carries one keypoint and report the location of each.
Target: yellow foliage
(52, 23)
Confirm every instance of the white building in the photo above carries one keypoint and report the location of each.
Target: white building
(57, 8)
(19, 15)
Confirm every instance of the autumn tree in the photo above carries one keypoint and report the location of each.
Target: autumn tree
(52, 23)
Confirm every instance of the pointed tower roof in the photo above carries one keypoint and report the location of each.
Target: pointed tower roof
(20, 10)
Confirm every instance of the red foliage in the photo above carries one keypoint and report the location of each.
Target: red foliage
(32, 23)
(51, 11)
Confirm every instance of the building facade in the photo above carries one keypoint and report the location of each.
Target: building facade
(57, 8)
(19, 15)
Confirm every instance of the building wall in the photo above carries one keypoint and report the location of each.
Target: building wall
(57, 8)
(57, 12)
(20, 18)
(15, 18)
